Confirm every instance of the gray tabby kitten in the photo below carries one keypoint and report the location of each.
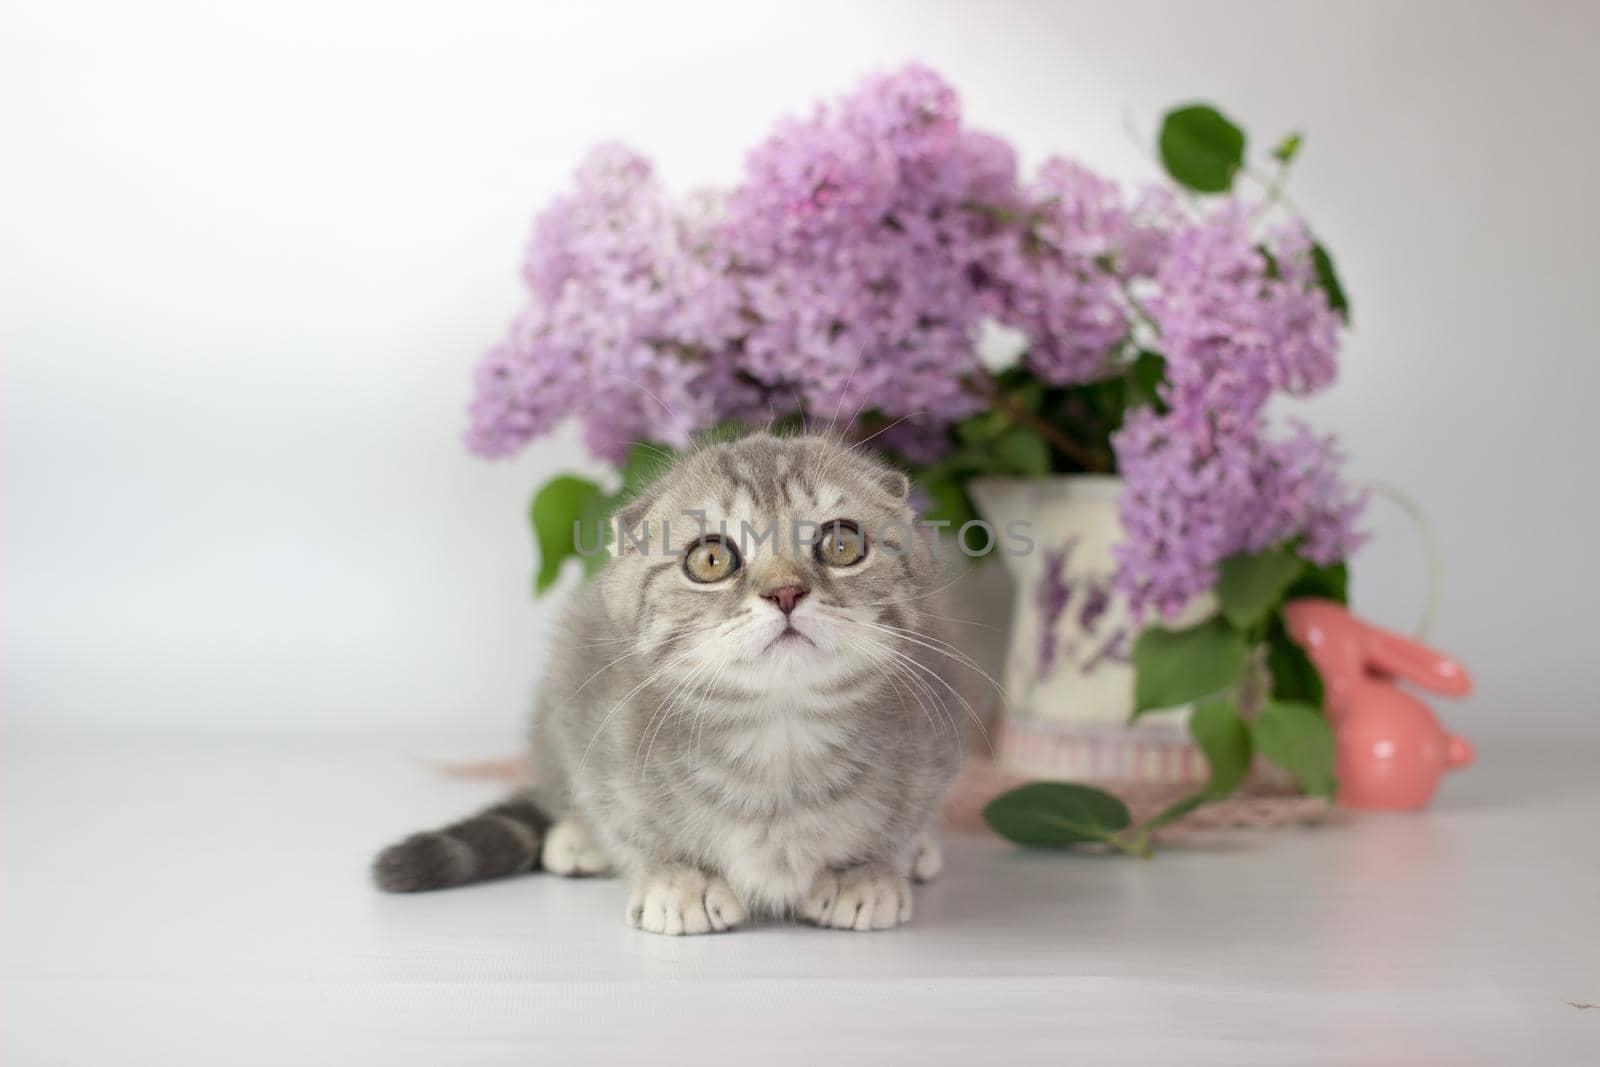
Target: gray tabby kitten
(738, 723)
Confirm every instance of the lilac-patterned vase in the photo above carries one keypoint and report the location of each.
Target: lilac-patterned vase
(1068, 675)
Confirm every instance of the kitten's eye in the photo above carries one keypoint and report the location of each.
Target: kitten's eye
(710, 560)
(842, 544)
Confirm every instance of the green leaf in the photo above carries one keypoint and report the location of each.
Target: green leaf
(1331, 582)
(1274, 271)
(1138, 842)
(962, 462)
(594, 526)
(1145, 376)
(993, 444)
(1172, 668)
(1249, 586)
(593, 564)
(982, 427)
(1056, 813)
(949, 504)
(563, 502)
(1029, 393)
(1224, 738)
(1328, 278)
(1297, 738)
(947, 499)
(1201, 149)
(1021, 451)
(1294, 676)
(1286, 149)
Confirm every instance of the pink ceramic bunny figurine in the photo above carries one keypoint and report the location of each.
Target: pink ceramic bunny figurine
(1391, 750)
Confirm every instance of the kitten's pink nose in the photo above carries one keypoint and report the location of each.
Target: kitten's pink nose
(786, 596)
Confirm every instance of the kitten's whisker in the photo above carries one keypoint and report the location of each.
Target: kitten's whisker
(977, 720)
(670, 410)
(855, 417)
(936, 676)
(664, 710)
(682, 694)
(923, 613)
(845, 389)
(652, 676)
(943, 647)
(697, 725)
(916, 596)
(886, 429)
(893, 668)
(891, 676)
(799, 406)
(607, 667)
(635, 637)
(921, 685)
(927, 640)
(678, 693)
(959, 621)
(706, 689)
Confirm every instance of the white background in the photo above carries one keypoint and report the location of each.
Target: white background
(250, 254)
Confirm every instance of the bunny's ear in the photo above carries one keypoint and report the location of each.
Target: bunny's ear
(1427, 667)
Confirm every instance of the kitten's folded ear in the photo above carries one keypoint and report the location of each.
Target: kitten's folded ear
(895, 483)
(629, 519)
(633, 512)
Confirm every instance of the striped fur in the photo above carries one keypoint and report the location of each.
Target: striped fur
(497, 841)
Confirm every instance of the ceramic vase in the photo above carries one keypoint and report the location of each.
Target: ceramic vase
(1068, 671)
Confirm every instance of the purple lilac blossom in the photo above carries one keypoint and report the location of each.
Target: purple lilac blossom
(1190, 502)
(1233, 335)
(860, 251)
(851, 270)
(629, 325)
(1058, 286)
(1206, 481)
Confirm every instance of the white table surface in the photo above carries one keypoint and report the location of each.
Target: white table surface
(181, 899)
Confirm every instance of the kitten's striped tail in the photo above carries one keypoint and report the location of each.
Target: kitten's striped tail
(498, 841)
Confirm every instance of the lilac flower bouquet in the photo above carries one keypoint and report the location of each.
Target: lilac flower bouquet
(851, 279)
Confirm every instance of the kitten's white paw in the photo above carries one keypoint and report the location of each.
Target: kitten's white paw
(927, 858)
(681, 900)
(568, 850)
(869, 897)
